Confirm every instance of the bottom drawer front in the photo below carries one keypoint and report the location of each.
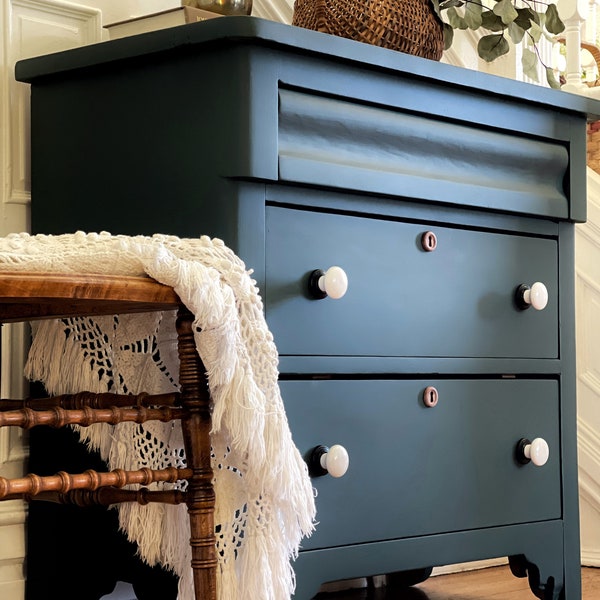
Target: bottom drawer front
(418, 470)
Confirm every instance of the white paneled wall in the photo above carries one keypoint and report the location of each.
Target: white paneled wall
(27, 28)
(587, 246)
(120, 10)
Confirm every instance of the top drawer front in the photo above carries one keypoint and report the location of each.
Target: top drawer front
(457, 301)
(343, 143)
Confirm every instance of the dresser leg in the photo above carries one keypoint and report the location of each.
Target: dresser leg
(543, 586)
(403, 579)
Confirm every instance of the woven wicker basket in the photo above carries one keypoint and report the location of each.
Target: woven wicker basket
(409, 26)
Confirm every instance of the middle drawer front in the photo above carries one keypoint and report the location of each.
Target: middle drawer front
(416, 470)
(457, 301)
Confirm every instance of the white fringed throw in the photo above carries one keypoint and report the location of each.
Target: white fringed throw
(265, 501)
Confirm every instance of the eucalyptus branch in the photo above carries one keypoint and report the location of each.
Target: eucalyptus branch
(500, 18)
(537, 50)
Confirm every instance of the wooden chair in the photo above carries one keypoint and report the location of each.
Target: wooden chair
(28, 296)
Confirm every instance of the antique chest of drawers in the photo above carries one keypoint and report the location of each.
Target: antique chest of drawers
(442, 194)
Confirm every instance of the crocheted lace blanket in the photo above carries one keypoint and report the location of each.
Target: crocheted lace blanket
(265, 498)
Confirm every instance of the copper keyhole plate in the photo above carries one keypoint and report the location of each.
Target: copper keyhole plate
(429, 241)
(430, 396)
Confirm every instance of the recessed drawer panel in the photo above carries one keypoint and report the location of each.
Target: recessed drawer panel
(416, 470)
(402, 300)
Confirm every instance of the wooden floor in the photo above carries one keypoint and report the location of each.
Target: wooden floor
(495, 583)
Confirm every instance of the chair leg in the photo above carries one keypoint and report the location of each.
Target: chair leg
(196, 425)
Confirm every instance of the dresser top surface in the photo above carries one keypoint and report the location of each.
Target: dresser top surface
(231, 31)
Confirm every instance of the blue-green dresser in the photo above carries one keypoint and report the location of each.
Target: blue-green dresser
(443, 194)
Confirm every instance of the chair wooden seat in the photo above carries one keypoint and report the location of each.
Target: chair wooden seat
(29, 296)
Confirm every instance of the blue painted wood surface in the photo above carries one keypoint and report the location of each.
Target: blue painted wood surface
(301, 150)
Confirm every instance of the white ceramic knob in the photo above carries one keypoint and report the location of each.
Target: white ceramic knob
(336, 461)
(536, 296)
(334, 283)
(538, 452)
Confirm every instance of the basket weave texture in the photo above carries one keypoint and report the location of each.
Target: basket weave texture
(409, 26)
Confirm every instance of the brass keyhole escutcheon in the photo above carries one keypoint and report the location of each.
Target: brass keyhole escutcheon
(429, 241)
(430, 396)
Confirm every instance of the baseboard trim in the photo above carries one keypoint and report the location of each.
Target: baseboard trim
(470, 566)
(590, 558)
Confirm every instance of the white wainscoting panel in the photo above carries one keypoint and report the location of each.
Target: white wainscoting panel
(587, 249)
(31, 28)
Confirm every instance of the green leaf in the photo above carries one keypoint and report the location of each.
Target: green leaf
(551, 79)
(506, 11)
(473, 17)
(529, 62)
(492, 46)
(542, 19)
(515, 32)
(455, 20)
(536, 33)
(553, 22)
(448, 3)
(525, 17)
(436, 7)
(491, 22)
(448, 36)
